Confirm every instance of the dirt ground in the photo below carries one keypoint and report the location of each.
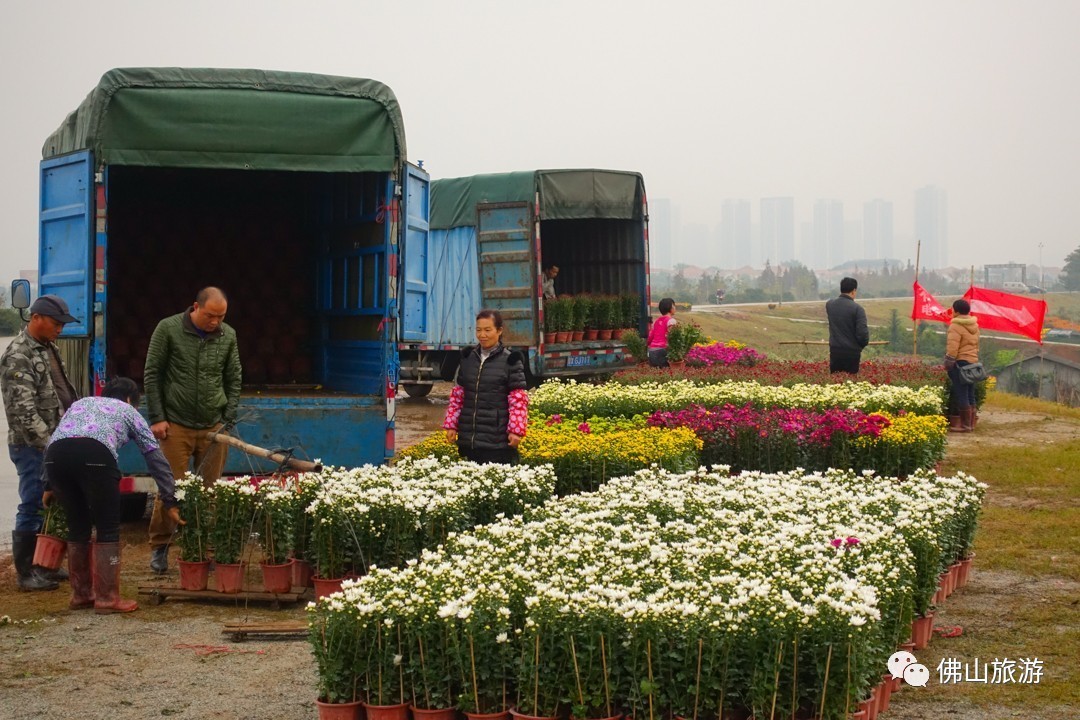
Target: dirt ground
(173, 660)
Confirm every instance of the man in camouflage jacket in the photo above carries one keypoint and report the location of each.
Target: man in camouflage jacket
(36, 392)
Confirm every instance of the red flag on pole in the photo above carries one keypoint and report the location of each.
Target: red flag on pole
(927, 307)
(997, 310)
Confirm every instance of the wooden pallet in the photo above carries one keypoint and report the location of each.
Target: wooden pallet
(284, 630)
(157, 594)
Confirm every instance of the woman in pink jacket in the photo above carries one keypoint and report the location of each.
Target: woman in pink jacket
(657, 342)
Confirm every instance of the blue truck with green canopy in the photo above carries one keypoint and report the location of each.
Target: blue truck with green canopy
(490, 238)
(290, 191)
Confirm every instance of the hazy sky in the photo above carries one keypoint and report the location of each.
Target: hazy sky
(851, 100)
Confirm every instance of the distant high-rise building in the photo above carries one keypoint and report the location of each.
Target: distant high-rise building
(777, 229)
(877, 229)
(697, 240)
(660, 239)
(735, 231)
(806, 244)
(828, 245)
(932, 226)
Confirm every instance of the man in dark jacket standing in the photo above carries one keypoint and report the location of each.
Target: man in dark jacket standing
(36, 393)
(192, 383)
(848, 332)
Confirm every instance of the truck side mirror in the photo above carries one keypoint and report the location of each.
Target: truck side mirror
(20, 294)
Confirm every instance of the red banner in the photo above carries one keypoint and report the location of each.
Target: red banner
(927, 307)
(1001, 311)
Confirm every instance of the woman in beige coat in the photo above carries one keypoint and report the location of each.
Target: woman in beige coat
(962, 348)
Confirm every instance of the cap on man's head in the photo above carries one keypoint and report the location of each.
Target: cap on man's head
(52, 306)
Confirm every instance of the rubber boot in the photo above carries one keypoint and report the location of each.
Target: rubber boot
(159, 559)
(967, 420)
(955, 424)
(107, 581)
(81, 576)
(31, 577)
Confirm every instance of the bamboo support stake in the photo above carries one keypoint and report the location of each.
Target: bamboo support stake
(603, 664)
(794, 675)
(577, 673)
(648, 658)
(401, 668)
(776, 681)
(697, 684)
(536, 676)
(423, 671)
(476, 688)
(825, 685)
(847, 692)
(723, 683)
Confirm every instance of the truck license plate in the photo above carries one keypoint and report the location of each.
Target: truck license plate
(577, 361)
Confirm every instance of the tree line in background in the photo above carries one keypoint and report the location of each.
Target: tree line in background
(794, 281)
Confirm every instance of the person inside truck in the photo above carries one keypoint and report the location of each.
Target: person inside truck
(81, 471)
(36, 393)
(489, 406)
(192, 381)
(549, 282)
(657, 343)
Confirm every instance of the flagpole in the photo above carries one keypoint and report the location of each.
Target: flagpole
(914, 321)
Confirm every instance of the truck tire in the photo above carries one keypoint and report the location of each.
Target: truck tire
(133, 506)
(416, 390)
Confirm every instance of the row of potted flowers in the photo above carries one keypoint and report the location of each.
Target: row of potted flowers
(774, 371)
(589, 317)
(569, 397)
(749, 438)
(345, 521)
(660, 596)
(585, 453)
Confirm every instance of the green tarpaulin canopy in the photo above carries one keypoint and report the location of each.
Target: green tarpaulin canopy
(564, 195)
(238, 119)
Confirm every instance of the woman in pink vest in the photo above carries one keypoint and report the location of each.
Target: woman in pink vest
(658, 334)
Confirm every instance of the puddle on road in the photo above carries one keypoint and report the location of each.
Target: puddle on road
(417, 418)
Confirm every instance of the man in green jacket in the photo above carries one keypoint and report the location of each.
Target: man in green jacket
(192, 382)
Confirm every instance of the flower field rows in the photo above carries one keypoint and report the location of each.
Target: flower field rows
(612, 400)
(585, 454)
(660, 595)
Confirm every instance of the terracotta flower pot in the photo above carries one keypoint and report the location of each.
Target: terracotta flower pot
(578, 336)
(339, 711)
(521, 716)
(965, 570)
(504, 715)
(884, 693)
(921, 629)
(326, 586)
(563, 337)
(194, 575)
(230, 577)
(49, 551)
(425, 714)
(617, 333)
(301, 573)
(277, 578)
(591, 334)
(604, 335)
(387, 712)
(677, 363)
(954, 576)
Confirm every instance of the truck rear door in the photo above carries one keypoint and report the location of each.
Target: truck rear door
(508, 268)
(65, 260)
(416, 260)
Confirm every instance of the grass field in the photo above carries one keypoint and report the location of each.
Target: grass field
(763, 328)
